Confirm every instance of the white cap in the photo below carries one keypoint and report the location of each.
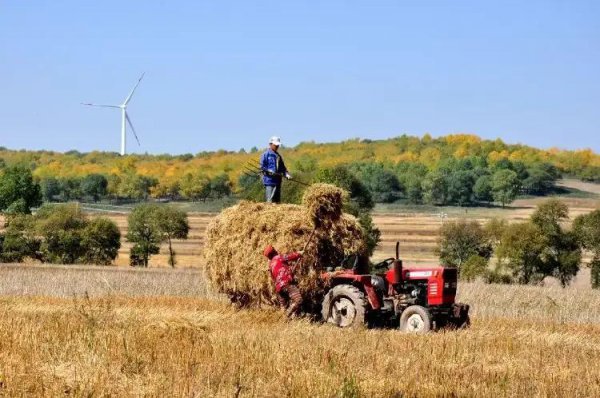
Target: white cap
(275, 140)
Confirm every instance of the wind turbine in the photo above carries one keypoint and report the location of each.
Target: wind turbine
(124, 116)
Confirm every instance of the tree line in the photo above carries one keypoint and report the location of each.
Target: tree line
(526, 252)
(141, 175)
(64, 234)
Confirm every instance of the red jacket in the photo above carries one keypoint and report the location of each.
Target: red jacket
(281, 271)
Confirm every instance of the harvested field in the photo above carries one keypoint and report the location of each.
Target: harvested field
(157, 332)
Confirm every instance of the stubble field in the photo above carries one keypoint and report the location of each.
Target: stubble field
(143, 341)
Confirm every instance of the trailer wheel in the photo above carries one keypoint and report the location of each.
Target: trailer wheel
(415, 319)
(344, 306)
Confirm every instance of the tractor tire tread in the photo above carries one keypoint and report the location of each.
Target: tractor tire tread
(351, 292)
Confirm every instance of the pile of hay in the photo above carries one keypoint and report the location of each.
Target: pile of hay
(235, 240)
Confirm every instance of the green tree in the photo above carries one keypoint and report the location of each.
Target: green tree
(474, 267)
(382, 183)
(505, 186)
(413, 189)
(17, 185)
(69, 189)
(435, 188)
(460, 187)
(143, 233)
(50, 187)
(562, 256)
(171, 224)
(541, 179)
(482, 190)
(459, 240)
(135, 186)
(101, 240)
(151, 224)
(60, 227)
(194, 186)
(94, 186)
(494, 229)
(520, 249)
(220, 186)
(587, 229)
(19, 239)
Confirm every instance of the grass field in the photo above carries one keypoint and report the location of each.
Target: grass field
(170, 337)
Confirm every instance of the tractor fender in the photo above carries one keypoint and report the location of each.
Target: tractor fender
(372, 296)
(362, 283)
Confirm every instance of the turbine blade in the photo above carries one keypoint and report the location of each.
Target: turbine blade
(100, 105)
(132, 91)
(132, 129)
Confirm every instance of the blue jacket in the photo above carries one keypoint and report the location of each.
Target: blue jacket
(271, 161)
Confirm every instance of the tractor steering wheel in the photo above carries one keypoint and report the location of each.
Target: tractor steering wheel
(385, 263)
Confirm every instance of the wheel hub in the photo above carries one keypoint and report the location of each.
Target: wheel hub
(343, 312)
(415, 323)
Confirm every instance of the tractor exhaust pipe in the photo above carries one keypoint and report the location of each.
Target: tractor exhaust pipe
(397, 266)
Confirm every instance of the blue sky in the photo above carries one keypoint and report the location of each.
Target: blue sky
(229, 74)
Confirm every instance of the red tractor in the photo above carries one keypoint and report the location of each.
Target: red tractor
(413, 299)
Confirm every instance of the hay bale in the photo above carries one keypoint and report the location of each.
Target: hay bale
(235, 240)
(324, 203)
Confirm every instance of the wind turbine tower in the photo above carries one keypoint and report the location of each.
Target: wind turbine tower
(124, 117)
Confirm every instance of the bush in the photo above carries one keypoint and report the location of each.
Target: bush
(505, 186)
(60, 229)
(459, 240)
(101, 241)
(495, 276)
(474, 267)
(17, 185)
(151, 224)
(60, 234)
(595, 272)
(520, 249)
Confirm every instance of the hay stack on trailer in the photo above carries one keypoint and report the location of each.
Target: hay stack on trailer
(235, 240)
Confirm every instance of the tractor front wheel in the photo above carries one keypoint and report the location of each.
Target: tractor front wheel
(415, 319)
(344, 306)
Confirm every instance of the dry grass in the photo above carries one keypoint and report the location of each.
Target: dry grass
(70, 280)
(524, 341)
(119, 346)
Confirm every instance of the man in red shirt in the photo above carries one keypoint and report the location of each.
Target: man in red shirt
(287, 290)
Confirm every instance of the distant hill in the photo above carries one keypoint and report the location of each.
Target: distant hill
(166, 172)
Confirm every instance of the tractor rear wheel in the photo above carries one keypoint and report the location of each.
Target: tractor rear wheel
(415, 319)
(344, 306)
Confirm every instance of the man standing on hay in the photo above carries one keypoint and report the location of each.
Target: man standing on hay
(273, 168)
(287, 290)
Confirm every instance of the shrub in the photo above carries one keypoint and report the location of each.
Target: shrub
(495, 276)
(459, 240)
(151, 224)
(17, 185)
(101, 241)
(474, 267)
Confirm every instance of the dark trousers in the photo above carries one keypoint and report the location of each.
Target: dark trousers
(289, 296)
(273, 193)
